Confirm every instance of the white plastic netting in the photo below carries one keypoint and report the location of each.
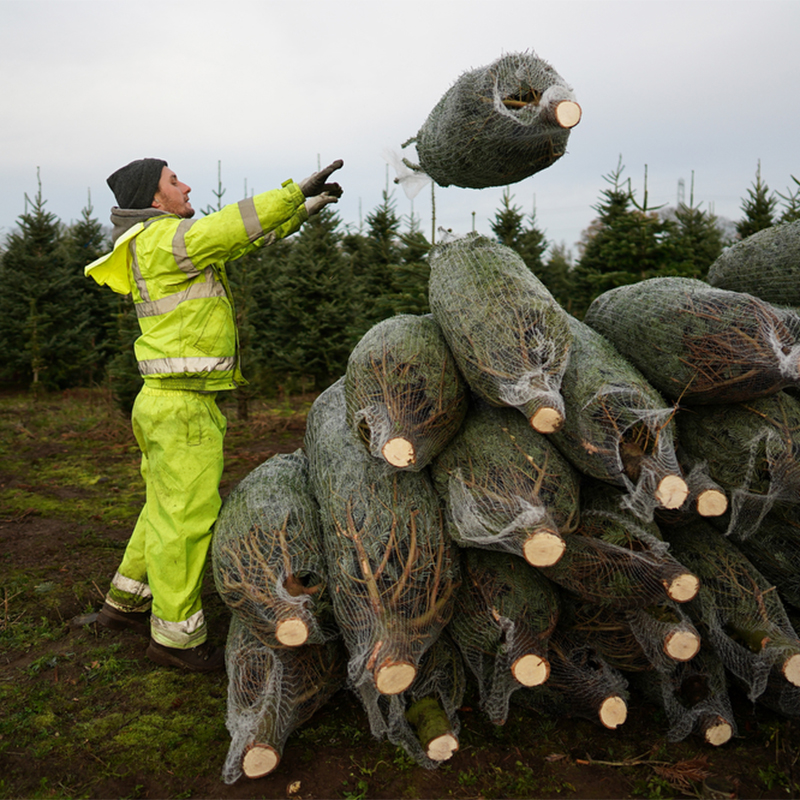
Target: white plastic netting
(496, 125)
(392, 570)
(766, 264)
(504, 616)
(737, 609)
(405, 395)
(698, 344)
(509, 336)
(616, 559)
(271, 692)
(751, 450)
(269, 564)
(581, 684)
(618, 428)
(506, 487)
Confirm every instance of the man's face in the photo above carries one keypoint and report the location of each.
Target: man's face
(172, 195)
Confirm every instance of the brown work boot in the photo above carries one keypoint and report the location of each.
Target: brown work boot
(203, 658)
(116, 620)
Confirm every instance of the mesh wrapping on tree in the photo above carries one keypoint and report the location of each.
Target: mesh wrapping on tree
(271, 692)
(698, 344)
(616, 559)
(391, 568)
(433, 701)
(581, 684)
(268, 560)
(751, 450)
(618, 428)
(694, 696)
(505, 614)
(405, 395)
(633, 639)
(509, 336)
(766, 265)
(739, 612)
(774, 550)
(506, 487)
(497, 124)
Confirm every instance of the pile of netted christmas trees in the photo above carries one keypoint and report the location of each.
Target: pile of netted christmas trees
(569, 515)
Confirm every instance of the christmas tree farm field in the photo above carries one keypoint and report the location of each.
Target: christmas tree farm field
(85, 714)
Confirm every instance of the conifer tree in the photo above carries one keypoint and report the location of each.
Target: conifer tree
(698, 240)
(627, 243)
(507, 223)
(374, 260)
(791, 202)
(758, 206)
(310, 335)
(85, 241)
(556, 275)
(45, 335)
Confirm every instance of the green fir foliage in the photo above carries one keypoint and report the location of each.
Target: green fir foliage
(45, 331)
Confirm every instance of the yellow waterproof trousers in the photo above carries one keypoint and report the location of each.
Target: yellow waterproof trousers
(181, 436)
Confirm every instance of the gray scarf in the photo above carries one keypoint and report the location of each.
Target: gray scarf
(124, 218)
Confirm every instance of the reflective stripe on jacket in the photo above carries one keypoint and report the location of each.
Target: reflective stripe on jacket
(174, 269)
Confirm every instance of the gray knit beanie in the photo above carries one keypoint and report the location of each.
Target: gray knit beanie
(136, 184)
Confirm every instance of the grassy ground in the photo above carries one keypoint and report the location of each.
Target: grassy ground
(85, 714)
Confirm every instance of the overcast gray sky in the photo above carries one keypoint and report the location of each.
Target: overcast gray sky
(268, 88)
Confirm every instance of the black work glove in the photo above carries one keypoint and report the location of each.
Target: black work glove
(315, 184)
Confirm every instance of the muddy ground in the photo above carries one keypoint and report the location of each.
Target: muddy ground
(83, 713)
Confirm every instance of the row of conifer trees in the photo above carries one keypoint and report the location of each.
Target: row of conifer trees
(304, 303)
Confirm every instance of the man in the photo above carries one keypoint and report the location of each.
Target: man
(174, 268)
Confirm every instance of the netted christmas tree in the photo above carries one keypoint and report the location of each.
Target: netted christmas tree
(509, 336)
(766, 265)
(774, 549)
(506, 487)
(405, 395)
(271, 692)
(738, 611)
(696, 343)
(267, 555)
(504, 616)
(751, 450)
(392, 570)
(615, 559)
(497, 124)
(581, 684)
(618, 428)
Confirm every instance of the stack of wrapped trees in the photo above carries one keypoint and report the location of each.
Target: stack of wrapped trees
(567, 516)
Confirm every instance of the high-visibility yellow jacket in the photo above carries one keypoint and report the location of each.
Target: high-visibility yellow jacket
(174, 269)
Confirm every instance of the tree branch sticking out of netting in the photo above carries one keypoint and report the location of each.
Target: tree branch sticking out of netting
(271, 692)
(766, 265)
(752, 451)
(506, 487)
(267, 555)
(618, 428)
(509, 336)
(698, 344)
(505, 614)
(739, 611)
(392, 570)
(496, 125)
(405, 395)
